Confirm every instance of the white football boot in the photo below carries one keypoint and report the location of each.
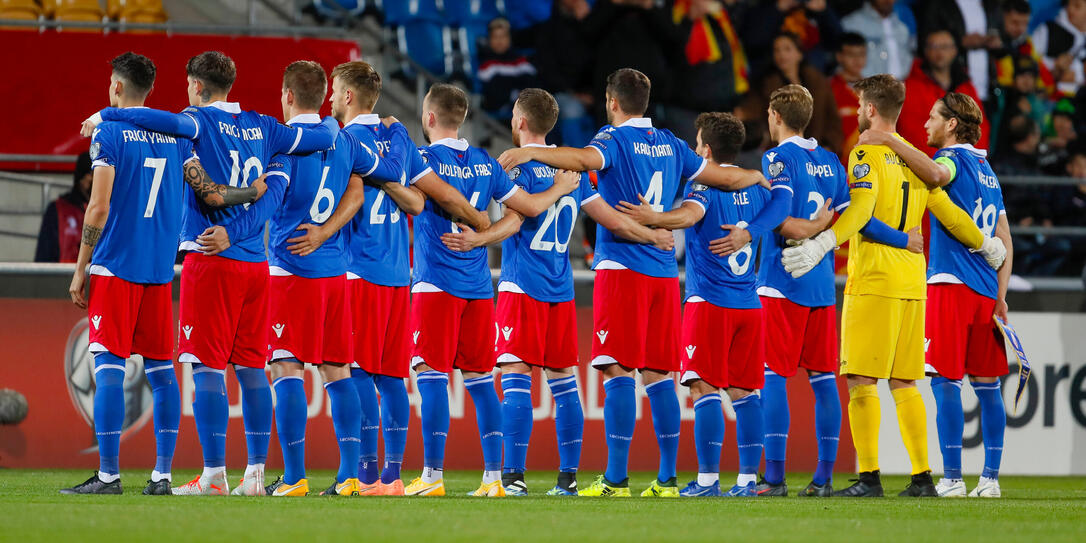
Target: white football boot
(214, 485)
(950, 488)
(986, 488)
(251, 485)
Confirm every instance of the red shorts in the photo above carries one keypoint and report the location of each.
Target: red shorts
(723, 346)
(962, 337)
(224, 312)
(636, 320)
(452, 333)
(798, 336)
(536, 333)
(128, 318)
(309, 319)
(380, 318)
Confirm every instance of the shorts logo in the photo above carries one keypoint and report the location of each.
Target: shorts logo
(602, 334)
(927, 343)
(96, 321)
(690, 351)
(415, 337)
(278, 329)
(507, 331)
(187, 329)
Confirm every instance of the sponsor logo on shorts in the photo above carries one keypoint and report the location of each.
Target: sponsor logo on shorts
(187, 329)
(690, 350)
(278, 329)
(507, 331)
(602, 334)
(415, 337)
(96, 321)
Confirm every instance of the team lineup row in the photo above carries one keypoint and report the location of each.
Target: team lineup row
(335, 287)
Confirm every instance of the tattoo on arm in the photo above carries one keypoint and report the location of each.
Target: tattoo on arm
(91, 234)
(214, 194)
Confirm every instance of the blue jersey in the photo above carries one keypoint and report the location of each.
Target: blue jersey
(815, 175)
(316, 183)
(536, 258)
(640, 159)
(480, 179)
(139, 240)
(379, 237)
(722, 281)
(975, 189)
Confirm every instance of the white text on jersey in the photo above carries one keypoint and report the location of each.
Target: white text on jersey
(146, 137)
(653, 150)
(247, 134)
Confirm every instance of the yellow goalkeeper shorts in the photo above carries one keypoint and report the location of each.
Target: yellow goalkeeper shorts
(882, 337)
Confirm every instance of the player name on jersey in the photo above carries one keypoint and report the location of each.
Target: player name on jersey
(145, 136)
(463, 172)
(247, 134)
(655, 151)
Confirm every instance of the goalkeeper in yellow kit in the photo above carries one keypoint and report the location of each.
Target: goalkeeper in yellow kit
(882, 323)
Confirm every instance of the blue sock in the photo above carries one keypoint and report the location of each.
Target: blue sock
(291, 412)
(371, 424)
(256, 412)
(827, 424)
(346, 422)
(950, 422)
(568, 422)
(666, 419)
(777, 421)
(211, 411)
(619, 417)
(749, 434)
(516, 420)
(993, 424)
(108, 410)
(395, 412)
(167, 413)
(434, 389)
(488, 415)
(708, 432)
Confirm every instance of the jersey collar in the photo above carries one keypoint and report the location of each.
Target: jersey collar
(728, 166)
(305, 118)
(368, 119)
(970, 148)
(229, 107)
(804, 143)
(459, 145)
(638, 122)
(538, 145)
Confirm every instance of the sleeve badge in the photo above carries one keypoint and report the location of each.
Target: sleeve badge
(859, 171)
(776, 168)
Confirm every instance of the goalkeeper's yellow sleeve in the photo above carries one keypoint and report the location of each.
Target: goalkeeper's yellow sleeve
(855, 216)
(954, 219)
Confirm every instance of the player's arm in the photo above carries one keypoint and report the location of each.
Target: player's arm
(216, 194)
(316, 234)
(684, 216)
(467, 239)
(218, 238)
(1003, 234)
(878, 231)
(796, 228)
(409, 199)
(577, 159)
(531, 205)
(291, 140)
(934, 173)
(626, 227)
(729, 179)
(182, 125)
(380, 170)
(94, 219)
(961, 226)
(450, 199)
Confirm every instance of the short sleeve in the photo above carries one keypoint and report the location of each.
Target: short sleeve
(697, 193)
(604, 143)
(281, 165)
(194, 114)
(363, 160)
(587, 189)
(861, 166)
(184, 149)
(501, 186)
(522, 177)
(776, 171)
(692, 164)
(948, 158)
(103, 149)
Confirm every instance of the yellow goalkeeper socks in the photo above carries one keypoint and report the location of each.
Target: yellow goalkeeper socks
(912, 419)
(863, 419)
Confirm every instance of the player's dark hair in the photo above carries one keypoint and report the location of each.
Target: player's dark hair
(851, 39)
(539, 108)
(449, 103)
(631, 88)
(956, 105)
(215, 70)
(723, 133)
(795, 105)
(307, 80)
(1017, 6)
(1020, 128)
(885, 92)
(362, 79)
(137, 72)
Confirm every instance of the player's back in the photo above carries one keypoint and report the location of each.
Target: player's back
(479, 178)
(640, 159)
(816, 175)
(139, 240)
(975, 189)
(536, 258)
(316, 183)
(723, 281)
(900, 201)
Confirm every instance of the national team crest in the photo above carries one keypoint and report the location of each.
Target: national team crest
(776, 168)
(602, 136)
(95, 148)
(699, 187)
(860, 170)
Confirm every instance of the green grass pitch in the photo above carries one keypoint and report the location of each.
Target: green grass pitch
(1046, 509)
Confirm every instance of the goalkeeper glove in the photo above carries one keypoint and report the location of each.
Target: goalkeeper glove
(804, 257)
(993, 251)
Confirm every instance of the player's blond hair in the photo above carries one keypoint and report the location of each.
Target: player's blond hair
(307, 80)
(883, 91)
(449, 104)
(965, 110)
(540, 109)
(362, 79)
(795, 105)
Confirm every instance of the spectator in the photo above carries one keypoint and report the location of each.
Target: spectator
(789, 67)
(1052, 155)
(1070, 203)
(1018, 44)
(503, 72)
(890, 45)
(812, 21)
(851, 57)
(563, 57)
(932, 76)
(62, 224)
(975, 26)
(1062, 44)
